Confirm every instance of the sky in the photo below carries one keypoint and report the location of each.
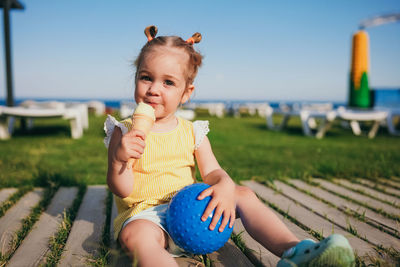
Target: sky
(253, 50)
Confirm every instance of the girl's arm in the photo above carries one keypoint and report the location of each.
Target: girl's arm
(222, 187)
(120, 149)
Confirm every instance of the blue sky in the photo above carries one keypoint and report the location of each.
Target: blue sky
(253, 50)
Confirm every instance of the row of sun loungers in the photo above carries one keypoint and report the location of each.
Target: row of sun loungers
(316, 119)
(75, 112)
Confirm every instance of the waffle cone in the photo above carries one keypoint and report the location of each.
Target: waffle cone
(143, 123)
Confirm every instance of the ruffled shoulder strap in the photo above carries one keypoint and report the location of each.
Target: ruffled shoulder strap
(200, 130)
(111, 123)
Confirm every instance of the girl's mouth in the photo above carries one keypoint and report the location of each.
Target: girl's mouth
(151, 104)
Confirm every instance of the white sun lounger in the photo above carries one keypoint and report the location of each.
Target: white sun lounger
(393, 113)
(309, 114)
(217, 109)
(308, 118)
(98, 107)
(72, 114)
(126, 109)
(250, 108)
(83, 108)
(357, 116)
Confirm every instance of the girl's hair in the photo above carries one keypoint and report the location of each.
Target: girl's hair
(194, 61)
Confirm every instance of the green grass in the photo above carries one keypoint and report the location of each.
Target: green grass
(48, 153)
(244, 147)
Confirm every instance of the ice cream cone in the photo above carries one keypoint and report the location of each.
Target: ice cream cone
(142, 122)
(142, 119)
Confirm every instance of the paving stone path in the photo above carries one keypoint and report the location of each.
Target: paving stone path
(366, 212)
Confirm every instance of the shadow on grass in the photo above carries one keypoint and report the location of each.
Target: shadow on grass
(289, 130)
(47, 178)
(335, 131)
(44, 178)
(43, 131)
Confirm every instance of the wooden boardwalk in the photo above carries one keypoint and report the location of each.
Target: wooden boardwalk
(367, 213)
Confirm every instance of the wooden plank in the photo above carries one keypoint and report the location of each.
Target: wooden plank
(359, 197)
(114, 213)
(384, 188)
(295, 229)
(12, 220)
(188, 262)
(6, 193)
(229, 255)
(257, 253)
(306, 217)
(85, 236)
(395, 179)
(119, 258)
(364, 230)
(389, 182)
(371, 216)
(379, 195)
(36, 244)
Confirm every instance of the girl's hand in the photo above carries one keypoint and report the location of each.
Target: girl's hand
(131, 146)
(223, 201)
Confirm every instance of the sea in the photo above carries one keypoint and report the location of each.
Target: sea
(116, 103)
(381, 98)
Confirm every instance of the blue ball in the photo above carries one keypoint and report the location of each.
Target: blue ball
(185, 226)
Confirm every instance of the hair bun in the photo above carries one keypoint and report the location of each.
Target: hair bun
(196, 38)
(150, 32)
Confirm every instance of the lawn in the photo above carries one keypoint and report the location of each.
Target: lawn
(244, 147)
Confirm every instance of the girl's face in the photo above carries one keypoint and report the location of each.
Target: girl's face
(161, 81)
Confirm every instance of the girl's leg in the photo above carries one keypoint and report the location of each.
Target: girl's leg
(261, 223)
(146, 242)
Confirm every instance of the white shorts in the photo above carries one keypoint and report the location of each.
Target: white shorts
(158, 216)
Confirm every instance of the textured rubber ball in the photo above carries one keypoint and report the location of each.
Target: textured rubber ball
(186, 227)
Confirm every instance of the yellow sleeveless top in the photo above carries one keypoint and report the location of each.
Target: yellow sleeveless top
(166, 166)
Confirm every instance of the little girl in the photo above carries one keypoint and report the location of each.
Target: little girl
(165, 163)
